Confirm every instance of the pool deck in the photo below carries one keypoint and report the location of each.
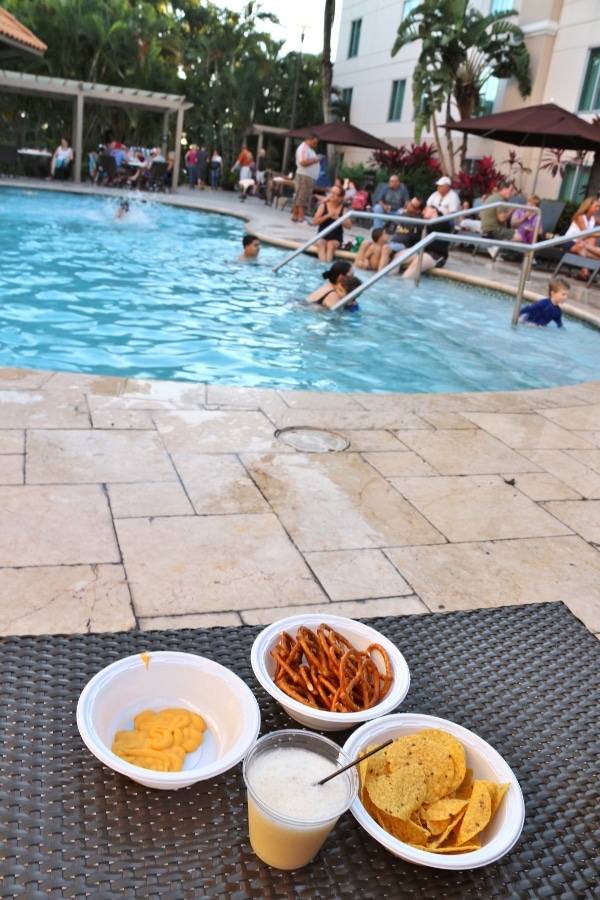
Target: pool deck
(136, 504)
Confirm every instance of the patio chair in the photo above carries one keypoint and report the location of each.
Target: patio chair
(574, 261)
(8, 159)
(551, 211)
(106, 170)
(156, 177)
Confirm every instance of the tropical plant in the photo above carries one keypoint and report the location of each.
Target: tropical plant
(417, 166)
(516, 169)
(461, 50)
(480, 180)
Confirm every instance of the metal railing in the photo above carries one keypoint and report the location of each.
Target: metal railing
(527, 250)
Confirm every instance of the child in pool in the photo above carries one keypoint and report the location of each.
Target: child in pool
(548, 310)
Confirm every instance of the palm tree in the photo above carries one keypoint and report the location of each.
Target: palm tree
(461, 50)
(326, 64)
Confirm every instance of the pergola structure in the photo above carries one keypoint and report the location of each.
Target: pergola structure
(81, 92)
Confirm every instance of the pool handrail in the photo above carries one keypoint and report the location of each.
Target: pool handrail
(528, 251)
(388, 217)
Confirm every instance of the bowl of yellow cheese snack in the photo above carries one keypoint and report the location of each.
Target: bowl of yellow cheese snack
(438, 795)
(168, 719)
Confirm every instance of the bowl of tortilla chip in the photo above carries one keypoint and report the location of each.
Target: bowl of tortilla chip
(438, 795)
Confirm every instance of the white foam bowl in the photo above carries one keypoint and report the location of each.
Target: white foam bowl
(113, 697)
(360, 636)
(500, 835)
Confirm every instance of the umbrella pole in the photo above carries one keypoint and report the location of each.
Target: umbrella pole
(537, 171)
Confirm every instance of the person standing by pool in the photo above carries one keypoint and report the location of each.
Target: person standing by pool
(332, 276)
(215, 169)
(547, 310)
(191, 161)
(308, 166)
(327, 213)
(203, 163)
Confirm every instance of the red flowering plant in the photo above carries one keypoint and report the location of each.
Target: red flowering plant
(480, 181)
(418, 166)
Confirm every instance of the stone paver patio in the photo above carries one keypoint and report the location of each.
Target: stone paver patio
(134, 504)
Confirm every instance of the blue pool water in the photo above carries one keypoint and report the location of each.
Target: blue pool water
(160, 295)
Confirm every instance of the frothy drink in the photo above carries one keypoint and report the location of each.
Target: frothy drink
(289, 814)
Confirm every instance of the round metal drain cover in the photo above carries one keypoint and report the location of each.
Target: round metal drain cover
(312, 440)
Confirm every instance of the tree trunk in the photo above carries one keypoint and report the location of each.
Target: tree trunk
(326, 64)
(327, 75)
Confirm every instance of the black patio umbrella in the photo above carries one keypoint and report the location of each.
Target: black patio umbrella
(545, 125)
(340, 133)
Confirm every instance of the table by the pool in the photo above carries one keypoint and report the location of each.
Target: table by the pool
(524, 678)
(35, 162)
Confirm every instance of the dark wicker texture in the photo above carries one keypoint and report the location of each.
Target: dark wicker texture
(527, 679)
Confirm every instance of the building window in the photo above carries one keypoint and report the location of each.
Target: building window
(590, 93)
(488, 96)
(354, 38)
(575, 183)
(502, 6)
(347, 102)
(409, 5)
(396, 101)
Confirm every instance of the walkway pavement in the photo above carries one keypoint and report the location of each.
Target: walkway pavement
(136, 504)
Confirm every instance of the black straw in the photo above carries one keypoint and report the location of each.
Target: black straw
(356, 761)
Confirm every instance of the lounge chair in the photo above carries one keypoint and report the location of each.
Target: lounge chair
(574, 261)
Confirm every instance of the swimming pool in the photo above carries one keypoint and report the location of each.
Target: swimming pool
(160, 294)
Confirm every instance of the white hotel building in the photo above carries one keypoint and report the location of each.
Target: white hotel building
(563, 39)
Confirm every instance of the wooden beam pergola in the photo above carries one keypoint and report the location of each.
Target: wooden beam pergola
(81, 92)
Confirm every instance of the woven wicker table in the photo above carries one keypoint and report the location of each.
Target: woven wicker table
(527, 679)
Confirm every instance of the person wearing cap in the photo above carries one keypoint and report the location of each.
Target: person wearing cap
(445, 198)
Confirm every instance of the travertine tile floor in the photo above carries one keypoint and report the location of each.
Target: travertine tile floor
(133, 504)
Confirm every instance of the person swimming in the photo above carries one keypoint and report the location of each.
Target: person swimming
(337, 271)
(344, 285)
(123, 209)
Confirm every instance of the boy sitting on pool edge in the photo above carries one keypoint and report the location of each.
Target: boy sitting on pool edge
(547, 310)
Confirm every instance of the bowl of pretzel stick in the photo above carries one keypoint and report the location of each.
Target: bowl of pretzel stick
(328, 672)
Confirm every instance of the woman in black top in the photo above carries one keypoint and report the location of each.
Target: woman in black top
(327, 213)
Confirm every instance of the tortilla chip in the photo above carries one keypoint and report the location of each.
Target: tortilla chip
(443, 809)
(403, 829)
(430, 755)
(477, 814)
(400, 793)
(497, 792)
(464, 790)
(457, 752)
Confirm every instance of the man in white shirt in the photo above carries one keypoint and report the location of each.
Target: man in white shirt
(445, 198)
(308, 166)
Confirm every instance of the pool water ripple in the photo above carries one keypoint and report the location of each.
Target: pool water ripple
(160, 294)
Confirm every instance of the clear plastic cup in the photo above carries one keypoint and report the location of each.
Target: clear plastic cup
(289, 814)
